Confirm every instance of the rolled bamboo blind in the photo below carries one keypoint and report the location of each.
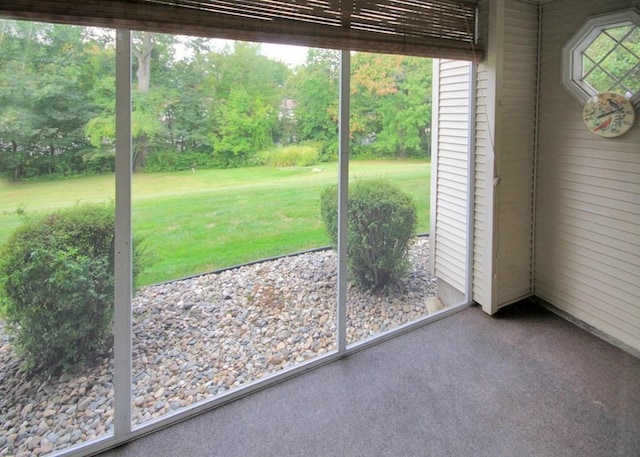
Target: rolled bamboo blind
(437, 28)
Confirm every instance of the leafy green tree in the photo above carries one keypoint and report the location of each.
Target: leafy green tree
(18, 134)
(191, 97)
(197, 106)
(249, 89)
(62, 102)
(391, 105)
(47, 74)
(315, 89)
(245, 125)
(153, 55)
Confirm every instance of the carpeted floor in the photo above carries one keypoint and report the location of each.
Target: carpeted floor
(522, 383)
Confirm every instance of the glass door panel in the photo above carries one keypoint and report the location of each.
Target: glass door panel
(238, 282)
(389, 182)
(57, 229)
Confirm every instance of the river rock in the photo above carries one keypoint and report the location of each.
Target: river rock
(199, 337)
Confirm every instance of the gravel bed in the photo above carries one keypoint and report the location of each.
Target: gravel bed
(199, 337)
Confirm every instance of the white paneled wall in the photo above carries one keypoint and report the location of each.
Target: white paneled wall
(515, 160)
(587, 245)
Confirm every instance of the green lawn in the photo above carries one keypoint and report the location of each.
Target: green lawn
(210, 219)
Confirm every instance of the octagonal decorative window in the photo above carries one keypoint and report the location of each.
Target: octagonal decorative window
(604, 56)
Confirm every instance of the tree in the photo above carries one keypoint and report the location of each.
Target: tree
(147, 106)
(200, 106)
(191, 95)
(391, 105)
(142, 53)
(244, 128)
(315, 89)
(249, 89)
(46, 73)
(153, 54)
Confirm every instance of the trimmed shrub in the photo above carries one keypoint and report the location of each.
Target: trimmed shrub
(290, 156)
(57, 276)
(381, 222)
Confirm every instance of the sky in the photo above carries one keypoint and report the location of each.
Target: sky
(291, 55)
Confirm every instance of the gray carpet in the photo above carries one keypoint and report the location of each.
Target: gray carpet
(523, 383)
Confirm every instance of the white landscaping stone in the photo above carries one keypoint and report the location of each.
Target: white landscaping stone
(197, 338)
(434, 305)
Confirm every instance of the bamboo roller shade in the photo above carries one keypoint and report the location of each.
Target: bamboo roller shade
(438, 28)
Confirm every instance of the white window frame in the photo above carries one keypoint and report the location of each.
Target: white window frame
(572, 53)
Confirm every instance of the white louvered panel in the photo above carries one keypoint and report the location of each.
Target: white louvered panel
(452, 189)
(450, 253)
(454, 89)
(449, 103)
(460, 117)
(452, 230)
(452, 171)
(453, 160)
(515, 159)
(452, 202)
(452, 211)
(454, 263)
(448, 274)
(454, 122)
(452, 134)
(588, 200)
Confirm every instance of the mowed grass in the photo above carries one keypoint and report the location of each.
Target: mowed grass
(196, 222)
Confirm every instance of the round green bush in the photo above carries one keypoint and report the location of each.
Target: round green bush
(381, 221)
(57, 277)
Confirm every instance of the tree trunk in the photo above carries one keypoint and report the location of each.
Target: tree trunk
(143, 75)
(143, 55)
(52, 153)
(140, 154)
(17, 171)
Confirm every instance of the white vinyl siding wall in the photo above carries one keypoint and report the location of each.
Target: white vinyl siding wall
(450, 164)
(587, 246)
(505, 154)
(481, 283)
(515, 162)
